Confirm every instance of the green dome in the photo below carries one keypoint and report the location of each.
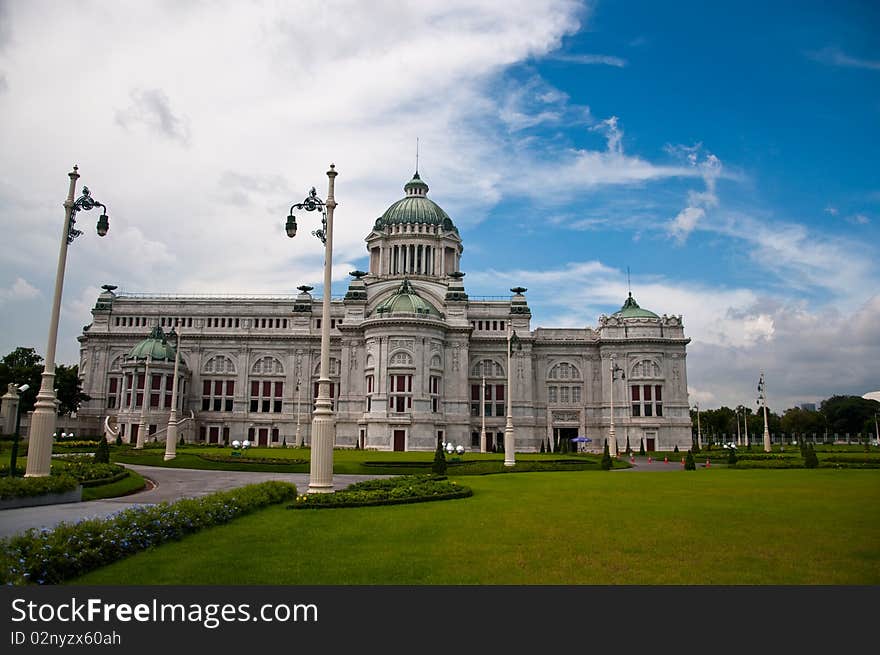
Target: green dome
(631, 309)
(415, 208)
(155, 346)
(406, 301)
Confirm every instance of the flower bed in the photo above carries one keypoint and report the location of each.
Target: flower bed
(392, 491)
(71, 549)
(251, 460)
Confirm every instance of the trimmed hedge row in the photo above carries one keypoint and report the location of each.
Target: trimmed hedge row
(85, 469)
(99, 482)
(26, 487)
(251, 460)
(393, 491)
(71, 549)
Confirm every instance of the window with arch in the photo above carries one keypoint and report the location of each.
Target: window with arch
(267, 365)
(489, 368)
(401, 359)
(114, 383)
(560, 393)
(334, 368)
(647, 368)
(219, 365)
(492, 400)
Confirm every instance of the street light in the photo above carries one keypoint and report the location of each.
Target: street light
(483, 414)
(323, 421)
(13, 458)
(171, 434)
(762, 401)
(43, 418)
(509, 437)
(146, 400)
(699, 432)
(612, 436)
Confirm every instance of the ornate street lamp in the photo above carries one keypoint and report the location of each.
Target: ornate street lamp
(171, 434)
(323, 421)
(762, 402)
(612, 437)
(43, 419)
(146, 401)
(699, 432)
(483, 415)
(513, 341)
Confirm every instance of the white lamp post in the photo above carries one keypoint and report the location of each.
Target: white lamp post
(171, 434)
(509, 436)
(142, 429)
(299, 442)
(483, 414)
(612, 435)
(699, 432)
(323, 421)
(762, 401)
(45, 412)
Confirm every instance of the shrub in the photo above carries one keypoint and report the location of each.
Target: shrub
(811, 461)
(542, 446)
(628, 450)
(606, 458)
(731, 456)
(71, 549)
(26, 487)
(642, 447)
(439, 466)
(102, 453)
(689, 463)
(386, 491)
(119, 438)
(675, 450)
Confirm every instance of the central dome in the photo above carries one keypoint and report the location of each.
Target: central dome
(406, 301)
(415, 208)
(155, 346)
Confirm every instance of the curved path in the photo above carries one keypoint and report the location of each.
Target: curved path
(168, 484)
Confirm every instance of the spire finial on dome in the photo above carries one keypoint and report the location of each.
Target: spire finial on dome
(417, 156)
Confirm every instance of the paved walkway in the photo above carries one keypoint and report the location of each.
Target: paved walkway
(642, 464)
(166, 484)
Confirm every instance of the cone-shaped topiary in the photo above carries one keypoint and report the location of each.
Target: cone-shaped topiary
(811, 461)
(642, 447)
(675, 450)
(689, 463)
(542, 446)
(628, 450)
(731, 457)
(606, 458)
(102, 453)
(439, 465)
(119, 438)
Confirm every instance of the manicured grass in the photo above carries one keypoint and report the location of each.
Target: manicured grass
(128, 485)
(711, 526)
(361, 462)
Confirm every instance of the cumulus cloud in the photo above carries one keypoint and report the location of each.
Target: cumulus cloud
(19, 289)
(699, 202)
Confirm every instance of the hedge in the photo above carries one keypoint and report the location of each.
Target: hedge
(72, 549)
(393, 491)
(49, 484)
(251, 460)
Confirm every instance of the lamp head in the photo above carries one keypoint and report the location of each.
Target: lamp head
(24, 388)
(103, 225)
(290, 226)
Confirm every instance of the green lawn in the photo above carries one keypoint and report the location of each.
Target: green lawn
(711, 526)
(128, 485)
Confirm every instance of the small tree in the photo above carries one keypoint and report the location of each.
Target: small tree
(606, 458)
(675, 450)
(102, 453)
(439, 465)
(119, 438)
(689, 463)
(811, 461)
(642, 447)
(542, 446)
(181, 442)
(628, 450)
(731, 456)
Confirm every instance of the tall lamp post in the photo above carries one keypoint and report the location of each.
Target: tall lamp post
(699, 432)
(612, 435)
(762, 402)
(509, 437)
(43, 419)
(13, 457)
(323, 421)
(483, 415)
(299, 442)
(145, 402)
(171, 434)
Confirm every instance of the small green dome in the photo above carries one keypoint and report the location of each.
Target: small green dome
(406, 301)
(631, 309)
(415, 208)
(155, 346)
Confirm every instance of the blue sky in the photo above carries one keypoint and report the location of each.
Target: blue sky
(724, 152)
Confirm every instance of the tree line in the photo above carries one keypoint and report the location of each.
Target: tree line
(25, 366)
(837, 415)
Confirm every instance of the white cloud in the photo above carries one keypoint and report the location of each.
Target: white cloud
(607, 60)
(152, 108)
(709, 168)
(20, 289)
(833, 56)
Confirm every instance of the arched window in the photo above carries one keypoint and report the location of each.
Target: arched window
(267, 365)
(401, 359)
(219, 365)
(564, 386)
(488, 368)
(646, 368)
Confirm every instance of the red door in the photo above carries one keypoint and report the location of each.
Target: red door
(263, 436)
(400, 440)
(649, 443)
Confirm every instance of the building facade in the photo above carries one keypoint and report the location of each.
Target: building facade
(414, 359)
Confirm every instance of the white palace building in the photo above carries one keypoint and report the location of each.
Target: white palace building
(411, 356)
